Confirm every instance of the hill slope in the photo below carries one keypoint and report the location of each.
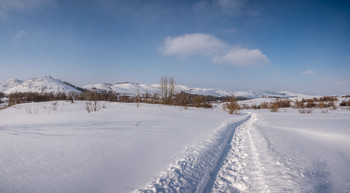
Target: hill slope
(132, 89)
(48, 84)
(45, 84)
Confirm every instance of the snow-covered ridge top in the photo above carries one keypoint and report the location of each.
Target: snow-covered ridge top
(9, 84)
(134, 88)
(45, 84)
(49, 84)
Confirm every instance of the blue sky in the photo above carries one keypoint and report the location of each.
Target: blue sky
(239, 45)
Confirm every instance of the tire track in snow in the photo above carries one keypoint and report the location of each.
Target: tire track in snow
(251, 166)
(194, 172)
(230, 176)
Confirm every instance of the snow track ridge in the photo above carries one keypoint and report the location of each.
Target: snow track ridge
(196, 171)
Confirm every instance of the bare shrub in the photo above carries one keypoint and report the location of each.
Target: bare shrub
(244, 106)
(324, 111)
(321, 105)
(182, 99)
(232, 107)
(345, 103)
(54, 106)
(329, 98)
(284, 103)
(255, 106)
(201, 101)
(305, 110)
(92, 106)
(331, 105)
(299, 104)
(264, 105)
(274, 106)
(32, 111)
(310, 103)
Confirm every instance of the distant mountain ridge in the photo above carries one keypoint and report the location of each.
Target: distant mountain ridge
(49, 84)
(128, 88)
(45, 84)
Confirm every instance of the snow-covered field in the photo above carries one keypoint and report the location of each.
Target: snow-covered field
(155, 148)
(118, 149)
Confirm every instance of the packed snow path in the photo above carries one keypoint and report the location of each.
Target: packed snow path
(307, 156)
(194, 172)
(269, 152)
(250, 167)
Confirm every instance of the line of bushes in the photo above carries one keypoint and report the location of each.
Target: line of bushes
(180, 99)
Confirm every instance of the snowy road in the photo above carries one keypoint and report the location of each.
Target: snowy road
(270, 152)
(250, 166)
(288, 152)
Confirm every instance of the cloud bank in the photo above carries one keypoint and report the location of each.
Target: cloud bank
(208, 45)
(192, 44)
(242, 57)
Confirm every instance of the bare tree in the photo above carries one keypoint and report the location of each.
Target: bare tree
(164, 89)
(138, 96)
(167, 89)
(171, 88)
(147, 95)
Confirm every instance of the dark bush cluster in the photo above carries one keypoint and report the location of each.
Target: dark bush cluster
(2, 95)
(17, 98)
(345, 103)
(232, 106)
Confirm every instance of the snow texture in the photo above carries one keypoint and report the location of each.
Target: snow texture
(155, 148)
(118, 149)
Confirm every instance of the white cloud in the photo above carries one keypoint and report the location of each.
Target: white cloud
(19, 34)
(208, 45)
(192, 44)
(242, 57)
(308, 72)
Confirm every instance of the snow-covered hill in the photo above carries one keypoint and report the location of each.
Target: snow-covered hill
(48, 84)
(132, 89)
(45, 84)
(4, 86)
